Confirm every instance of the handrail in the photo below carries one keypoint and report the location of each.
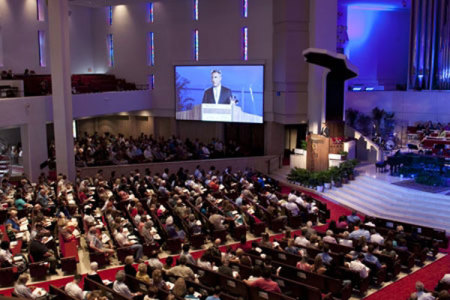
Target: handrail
(352, 132)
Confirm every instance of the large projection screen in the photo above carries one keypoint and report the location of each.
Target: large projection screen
(220, 93)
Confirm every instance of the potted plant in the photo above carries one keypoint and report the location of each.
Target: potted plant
(327, 179)
(335, 175)
(343, 155)
(320, 181)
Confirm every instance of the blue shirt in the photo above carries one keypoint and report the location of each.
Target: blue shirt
(238, 201)
(212, 298)
(359, 233)
(353, 219)
(372, 259)
(326, 258)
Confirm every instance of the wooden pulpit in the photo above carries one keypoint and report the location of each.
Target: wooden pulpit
(318, 148)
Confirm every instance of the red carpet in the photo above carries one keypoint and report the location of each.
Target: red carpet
(402, 289)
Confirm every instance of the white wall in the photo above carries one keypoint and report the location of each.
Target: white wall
(19, 27)
(409, 106)
(220, 24)
(81, 40)
(18, 19)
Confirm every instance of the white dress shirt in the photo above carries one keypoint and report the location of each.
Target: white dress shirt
(357, 266)
(216, 92)
(72, 289)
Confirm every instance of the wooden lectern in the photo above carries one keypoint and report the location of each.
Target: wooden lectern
(318, 148)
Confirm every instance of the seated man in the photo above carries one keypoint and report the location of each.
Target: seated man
(265, 282)
(40, 252)
(181, 270)
(121, 288)
(96, 244)
(21, 290)
(358, 266)
(123, 241)
(371, 258)
(421, 293)
(73, 289)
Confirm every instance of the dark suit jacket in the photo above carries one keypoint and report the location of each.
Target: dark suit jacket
(325, 131)
(225, 95)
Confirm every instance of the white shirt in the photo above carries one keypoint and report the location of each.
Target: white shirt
(446, 279)
(424, 296)
(73, 290)
(344, 242)
(357, 266)
(302, 241)
(216, 92)
(377, 238)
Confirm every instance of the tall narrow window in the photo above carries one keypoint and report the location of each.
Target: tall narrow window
(151, 81)
(151, 49)
(1, 48)
(150, 12)
(41, 44)
(110, 15)
(110, 46)
(196, 44)
(245, 8)
(196, 10)
(40, 7)
(245, 43)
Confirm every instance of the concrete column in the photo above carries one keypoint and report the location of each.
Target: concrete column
(322, 34)
(34, 146)
(290, 71)
(61, 86)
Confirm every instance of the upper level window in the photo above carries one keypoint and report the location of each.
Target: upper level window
(40, 5)
(150, 12)
(41, 45)
(196, 10)
(245, 8)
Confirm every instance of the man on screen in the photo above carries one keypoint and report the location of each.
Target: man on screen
(217, 94)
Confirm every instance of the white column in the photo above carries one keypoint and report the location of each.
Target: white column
(322, 34)
(34, 148)
(61, 86)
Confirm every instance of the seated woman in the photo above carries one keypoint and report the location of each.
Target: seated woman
(129, 269)
(6, 258)
(93, 275)
(319, 267)
(142, 273)
(304, 265)
(172, 231)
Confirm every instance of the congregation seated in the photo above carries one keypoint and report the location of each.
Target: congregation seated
(92, 150)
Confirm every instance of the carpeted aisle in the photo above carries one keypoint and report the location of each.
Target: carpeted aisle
(402, 289)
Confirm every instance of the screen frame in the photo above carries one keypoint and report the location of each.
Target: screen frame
(218, 65)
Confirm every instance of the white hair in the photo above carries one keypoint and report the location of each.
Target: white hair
(94, 266)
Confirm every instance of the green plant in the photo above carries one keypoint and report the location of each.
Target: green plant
(344, 153)
(299, 175)
(326, 175)
(303, 145)
(429, 178)
(335, 173)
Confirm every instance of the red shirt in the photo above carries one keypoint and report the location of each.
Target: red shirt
(267, 285)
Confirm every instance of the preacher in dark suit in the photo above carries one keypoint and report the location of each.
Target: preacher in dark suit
(217, 94)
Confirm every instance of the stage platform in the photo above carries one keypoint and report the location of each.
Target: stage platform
(374, 194)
